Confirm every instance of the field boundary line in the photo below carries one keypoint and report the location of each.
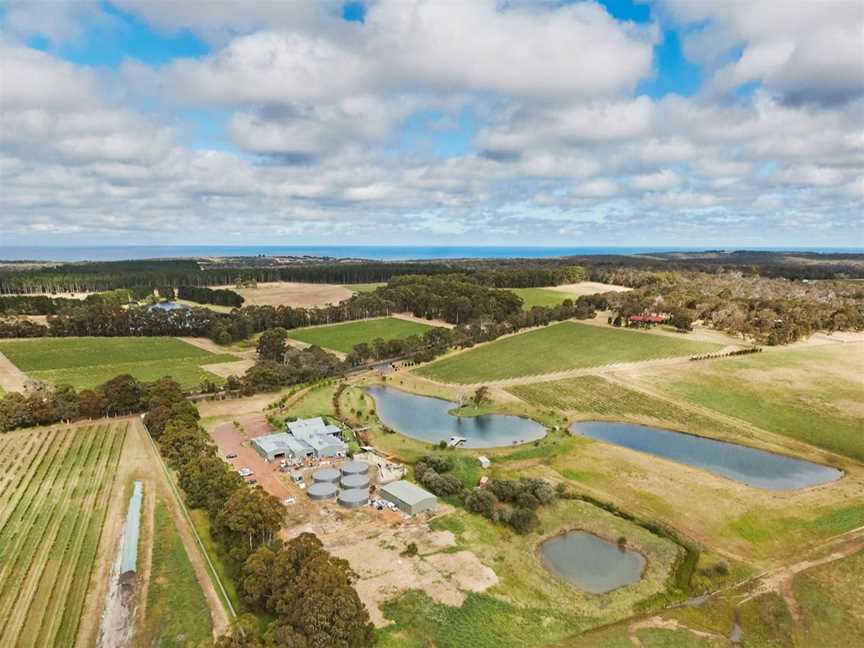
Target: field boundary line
(214, 575)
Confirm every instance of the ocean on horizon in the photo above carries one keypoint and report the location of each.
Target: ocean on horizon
(382, 252)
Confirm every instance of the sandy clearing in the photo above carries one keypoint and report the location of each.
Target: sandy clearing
(384, 573)
(587, 288)
(408, 317)
(292, 294)
(11, 377)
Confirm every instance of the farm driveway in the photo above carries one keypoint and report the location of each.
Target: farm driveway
(234, 440)
(11, 377)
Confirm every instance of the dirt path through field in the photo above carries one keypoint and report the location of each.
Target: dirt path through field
(11, 377)
(408, 317)
(212, 347)
(159, 479)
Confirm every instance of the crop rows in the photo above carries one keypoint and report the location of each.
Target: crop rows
(50, 526)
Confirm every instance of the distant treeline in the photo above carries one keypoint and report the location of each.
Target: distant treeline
(219, 297)
(457, 299)
(98, 277)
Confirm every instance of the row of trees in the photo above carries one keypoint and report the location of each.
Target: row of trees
(218, 297)
(308, 593)
(155, 273)
(46, 405)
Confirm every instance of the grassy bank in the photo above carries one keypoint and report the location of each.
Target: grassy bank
(344, 337)
(177, 611)
(559, 347)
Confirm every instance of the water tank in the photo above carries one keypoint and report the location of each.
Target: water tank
(326, 475)
(322, 491)
(355, 468)
(354, 497)
(355, 481)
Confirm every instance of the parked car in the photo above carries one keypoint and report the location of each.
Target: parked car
(289, 500)
(252, 482)
(231, 455)
(245, 472)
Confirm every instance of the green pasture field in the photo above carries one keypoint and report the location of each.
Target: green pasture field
(595, 397)
(87, 362)
(811, 394)
(364, 287)
(559, 347)
(55, 486)
(540, 297)
(344, 337)
(177, 611)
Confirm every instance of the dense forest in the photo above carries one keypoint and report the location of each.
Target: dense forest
(219, 297)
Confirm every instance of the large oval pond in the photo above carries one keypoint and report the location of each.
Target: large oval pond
(746, 465)
(428, 419)
(590, 563)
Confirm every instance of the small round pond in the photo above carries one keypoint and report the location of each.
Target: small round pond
(741, 463)
(429, 419)
(590, 563)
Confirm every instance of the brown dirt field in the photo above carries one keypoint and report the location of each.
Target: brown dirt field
(11, 377)
(293, 294)
(374, 552)
(588, 288)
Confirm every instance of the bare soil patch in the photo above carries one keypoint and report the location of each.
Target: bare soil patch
(11, 377)
(234, 439)
(293, 294)
(375, 554)
(588, 288)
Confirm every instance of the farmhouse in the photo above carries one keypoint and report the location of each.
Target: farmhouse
(305, 438)
(409, 497)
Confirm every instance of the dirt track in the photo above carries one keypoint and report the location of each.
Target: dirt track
(11, 377)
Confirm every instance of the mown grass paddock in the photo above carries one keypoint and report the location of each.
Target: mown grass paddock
(559, 347)
(344, 337)
(810, 394)
(55, 486)
(86, 362)
(541, 297)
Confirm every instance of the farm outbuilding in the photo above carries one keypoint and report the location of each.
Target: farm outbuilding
(409, 497)
(307, 438)
(129, 550)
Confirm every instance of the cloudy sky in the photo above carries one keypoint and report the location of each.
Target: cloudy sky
(434, 122)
